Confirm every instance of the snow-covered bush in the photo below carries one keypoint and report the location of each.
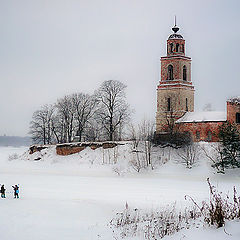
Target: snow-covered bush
(158, 223)
(145, 155)
(13, 156)
(138, 160)
(189, 154)
(219, 208)
(154, 224)
(212, 151)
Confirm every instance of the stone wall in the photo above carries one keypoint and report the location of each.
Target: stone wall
(232, 110)
(71, 148)
(202, 131)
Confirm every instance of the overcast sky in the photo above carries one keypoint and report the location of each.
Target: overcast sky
(49, 48)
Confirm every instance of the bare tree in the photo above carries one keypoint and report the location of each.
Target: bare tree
(66, 111)
(213, 153)
(146, 134)
(93, 130)
(58, 127)
(142, 140)
(189, 154)
(133, 135)
(41, 125)
(208, 107)
(113, 109)
(138, 162)
(84, 107)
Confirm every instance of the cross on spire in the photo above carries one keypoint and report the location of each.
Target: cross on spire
(175, 28)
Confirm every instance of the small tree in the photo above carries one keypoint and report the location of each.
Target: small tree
(133, 135)
(230, 145)
(189, 154)
(142, 138)
(146, 134)
(213, 153)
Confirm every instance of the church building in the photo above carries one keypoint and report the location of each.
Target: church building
(175, 97)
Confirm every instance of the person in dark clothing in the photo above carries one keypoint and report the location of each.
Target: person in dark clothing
(16, 191)
(3, 191)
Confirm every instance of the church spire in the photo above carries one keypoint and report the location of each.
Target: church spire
(175, 28)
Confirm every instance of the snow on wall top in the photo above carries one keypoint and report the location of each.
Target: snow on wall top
(211, 116)
(234, 100)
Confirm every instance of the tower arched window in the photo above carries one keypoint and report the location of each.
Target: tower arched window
(186, 105)
(209, 136)
(237, 117)
(169, 104)
(184, 73)
(171, 47)
(197, 135)
(177, 47)
(183, 48)
(170, 72)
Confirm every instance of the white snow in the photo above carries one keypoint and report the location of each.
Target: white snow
(75, 197)
(208, 116)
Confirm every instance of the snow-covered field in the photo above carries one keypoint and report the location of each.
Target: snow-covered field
(75, 197)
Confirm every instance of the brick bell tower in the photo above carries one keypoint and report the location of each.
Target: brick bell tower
(175, 92)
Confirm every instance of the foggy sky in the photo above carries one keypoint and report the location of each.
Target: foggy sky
(49, 48)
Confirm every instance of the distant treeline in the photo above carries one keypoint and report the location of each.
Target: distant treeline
(15, 141)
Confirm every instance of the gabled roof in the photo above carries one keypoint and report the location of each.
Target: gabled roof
(211, 116)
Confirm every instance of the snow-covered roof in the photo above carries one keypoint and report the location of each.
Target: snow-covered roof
(210, 116)
(234, 100)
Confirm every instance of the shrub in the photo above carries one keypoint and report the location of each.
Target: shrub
(13, 156)
(219, 208)
(189, 154)
(175, 140)
(167, 221)
(230, 146)
(155, 224)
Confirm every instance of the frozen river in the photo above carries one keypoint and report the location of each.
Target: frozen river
(61, 202)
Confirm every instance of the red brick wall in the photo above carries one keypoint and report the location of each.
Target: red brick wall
(174, 42)
(177, 63)
(232, 109)
(203, 128)
(67, 149)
